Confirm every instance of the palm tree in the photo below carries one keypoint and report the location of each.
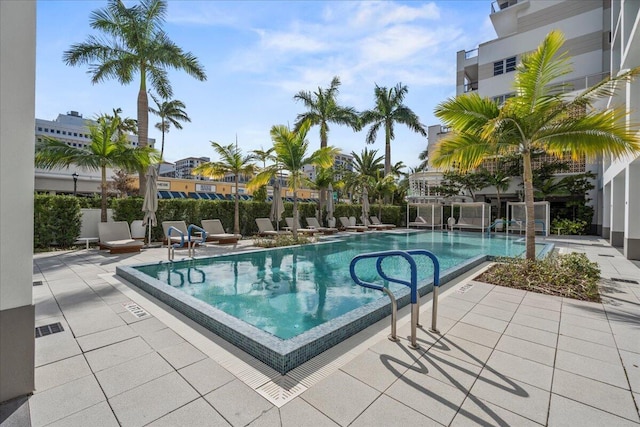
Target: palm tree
(424, 160)
(388, 111)
(127, 124)
(366, 169)
(108, 149)
(292, 154)
(540, 117)
(323, 109)
(500, 180)
(231, 161)
(134, 42)
(171, 113)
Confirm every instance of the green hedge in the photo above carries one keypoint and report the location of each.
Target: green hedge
(57, 220)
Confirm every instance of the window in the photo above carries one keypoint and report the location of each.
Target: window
(75, 134)
(39, 129)
(58, 132)
(64, 132)
(46, 130)
(504, 66)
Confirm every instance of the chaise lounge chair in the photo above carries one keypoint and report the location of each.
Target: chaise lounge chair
(299, 229)
(347, 225)
(265, 228)
(375, 227)
(116, 237)
(377, 222)
(215, 232)
(313, 223)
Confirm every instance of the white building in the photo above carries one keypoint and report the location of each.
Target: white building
(183, 167)
(620, 181)
(342, 162)
(73, 129)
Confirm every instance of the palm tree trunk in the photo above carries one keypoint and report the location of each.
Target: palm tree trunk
(323, 202)
(387, 150)
(103, 194)
(294, 229)
(236, 214)
(530, 227)
(162, 149)
(499, 204)
(143, 124)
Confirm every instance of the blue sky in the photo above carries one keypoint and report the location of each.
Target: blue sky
(259, 54)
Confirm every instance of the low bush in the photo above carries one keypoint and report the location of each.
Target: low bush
(571, 275)
(567, 226)
(278, 241)
(57, 221)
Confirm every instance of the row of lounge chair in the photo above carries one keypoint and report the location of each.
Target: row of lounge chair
(265, 227)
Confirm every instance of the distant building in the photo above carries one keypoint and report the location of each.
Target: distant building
(167, 170)
(342, 162)
(184, 167)
(72, 129)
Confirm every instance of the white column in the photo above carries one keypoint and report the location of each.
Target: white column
(632, 212)
(617, 210)
(606, 211)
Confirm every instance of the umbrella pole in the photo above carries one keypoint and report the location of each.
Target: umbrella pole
(149, 234)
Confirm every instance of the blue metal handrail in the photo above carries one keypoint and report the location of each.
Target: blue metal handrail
(412, 284)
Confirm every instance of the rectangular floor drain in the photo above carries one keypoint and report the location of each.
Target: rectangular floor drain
(610, 256)
(54, 328)
(37, 283)
(136, 310)
(635, 282)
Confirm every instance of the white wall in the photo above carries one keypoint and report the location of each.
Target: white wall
(17, 136)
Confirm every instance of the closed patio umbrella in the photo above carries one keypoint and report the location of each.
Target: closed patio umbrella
(150, 203)
(277, 205)
(365, 206)
(330, 203)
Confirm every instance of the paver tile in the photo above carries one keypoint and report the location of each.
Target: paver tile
(474, 412)
(148, 326)
(540, 312)
(485, 322)
(536, 322)
(94, 320)
(587, 348)
(400, 351)
(387, 412)
(375, 370)
(501, 313)
(61, 372)
(527, 333)
(115, 354)
(163, 338)
(103, 338)
(427, 395)
(598, 337)
(606, 372)
(526, 349)
(516, 396)
(462, 349)
(502, 365)
(341, 397)
(181, 355)
(206, 375)
(59, 402)
(631, 363)
(587, 322)
(595, 393)
(628, 341)
(54, 347)
(152, 400)
(567, 412)
(476, 334)
(539, 301)
(270, 418)
(132, 373)
(99, 415)
(194, 414)
(448, 370)
(299, 413)
(238, 403)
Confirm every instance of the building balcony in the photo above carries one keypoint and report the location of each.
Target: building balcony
(500, 5)
(470, 87)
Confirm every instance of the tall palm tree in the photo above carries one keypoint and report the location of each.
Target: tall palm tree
(322, 109)
(388, 111)
(292, 154)
(134, 42)
(171, 113)
(366, 168)
(540, 117)
(127, 124)
(499, 179)
(231, 161)
(108, 149)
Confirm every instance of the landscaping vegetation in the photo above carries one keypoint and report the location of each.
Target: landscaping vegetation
(570, 275)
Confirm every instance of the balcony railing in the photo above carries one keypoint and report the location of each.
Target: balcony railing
(582, 83)
(471, 53)
(470, 87)
(498, 5)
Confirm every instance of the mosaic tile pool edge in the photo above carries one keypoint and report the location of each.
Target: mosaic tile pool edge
(281, 355)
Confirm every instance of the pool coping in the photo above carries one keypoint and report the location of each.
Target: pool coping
(284, 355)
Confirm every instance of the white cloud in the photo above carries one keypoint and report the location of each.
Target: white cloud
(290, 42)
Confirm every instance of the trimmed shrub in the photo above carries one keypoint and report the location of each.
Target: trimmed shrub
(57, 220)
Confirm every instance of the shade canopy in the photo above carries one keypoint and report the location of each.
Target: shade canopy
(277, 205)
(150, 203)
(365, 205)
(330, 207)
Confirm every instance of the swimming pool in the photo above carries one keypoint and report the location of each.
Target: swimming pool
(287, 305)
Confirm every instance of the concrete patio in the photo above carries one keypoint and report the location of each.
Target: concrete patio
(504, 357)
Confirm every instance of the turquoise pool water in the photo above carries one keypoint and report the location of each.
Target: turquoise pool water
(286, 292)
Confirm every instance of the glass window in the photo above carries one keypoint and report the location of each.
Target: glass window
(46, 130)
(498, 68)
(58, 132)
(75, 134)
(39, 129)
(510, 64)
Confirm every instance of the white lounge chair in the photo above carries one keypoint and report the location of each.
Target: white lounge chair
(419, 222)
(116, 237)
(265, 228)
(215, 232)
(299, 229)
(377, 222)
(347, 225)
(313, 223)
(138, 231)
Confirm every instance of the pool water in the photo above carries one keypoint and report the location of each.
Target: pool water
(288, 291)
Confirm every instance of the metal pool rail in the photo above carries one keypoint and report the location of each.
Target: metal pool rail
(412, 283)
(191, 245)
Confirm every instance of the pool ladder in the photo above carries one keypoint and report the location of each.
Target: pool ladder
(412, 284)
(190, 242)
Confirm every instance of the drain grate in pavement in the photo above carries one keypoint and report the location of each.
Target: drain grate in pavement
(136, 310)
(615, 279)
(609, 256)
(37, 283)
(54, 328)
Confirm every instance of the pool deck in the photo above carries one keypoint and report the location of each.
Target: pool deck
(503, 357)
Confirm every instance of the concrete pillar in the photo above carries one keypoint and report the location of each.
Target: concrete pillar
(606, 211)
(632, 212)
(17, 140)
(617, 210)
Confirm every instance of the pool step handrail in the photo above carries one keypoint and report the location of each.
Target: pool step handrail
(189, 240)
(412, 284)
